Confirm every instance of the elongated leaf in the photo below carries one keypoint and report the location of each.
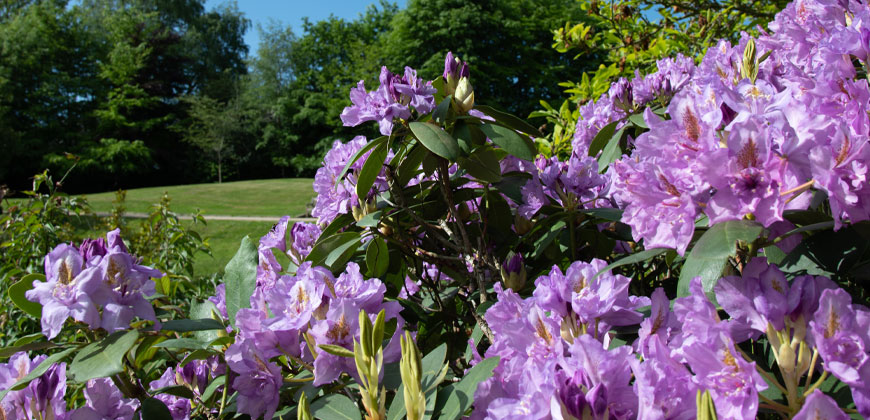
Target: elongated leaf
(613, 215)
(377, 257)
(482, 164)
(16, 295)
(213, 386)
(102, 358)
(708, 257)
(241, 278)
(633, 258)
(602, 138)
(442, 110)
(182, 343)
(510, 120)
(369, 146)
(342, 253)
(335, 407)
(154, 409)
(370, 170)
(176, 390)
(508, 139)
(325, 247)
(187, 325)
(39, 345)
(412, 164)
(637, 119)
(459, 397)
(436, 140)
(336, 350)
(38, 371)
(205, 310)
(611, 152)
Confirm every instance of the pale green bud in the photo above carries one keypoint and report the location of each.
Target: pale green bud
(464, 96)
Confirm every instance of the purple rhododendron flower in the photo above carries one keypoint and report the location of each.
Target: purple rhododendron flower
(64, 293)
(258, 380)
(178, 407)
(105, 402)
(819, 406)
(42, 398)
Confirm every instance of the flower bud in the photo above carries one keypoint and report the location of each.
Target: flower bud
(750, 65)
(522, 225)
(803, 362)
(513, 273)
(464, 96)
(454, 69)
(786, 358)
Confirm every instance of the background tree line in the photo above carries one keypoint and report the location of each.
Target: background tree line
(159, 92)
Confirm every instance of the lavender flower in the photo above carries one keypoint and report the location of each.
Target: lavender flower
(104, 402)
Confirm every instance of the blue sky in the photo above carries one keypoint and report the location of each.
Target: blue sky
(291, 12)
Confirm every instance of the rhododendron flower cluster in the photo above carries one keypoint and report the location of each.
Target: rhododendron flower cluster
(751, 128)
(99, 284)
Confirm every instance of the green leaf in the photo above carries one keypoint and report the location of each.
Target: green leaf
(637, 119)
(16, 295)
(436, 140)
(38, 371)
(508, 139)
(510, 121)
(441, 112)
(213, 386)
(370, 219)
(340, 222)
(187, 325)
(154, 409)
(102, 358)
(613, 215)
(410, 166)
(611, 152)
(176, 390)
(710, 254)
(369, 146)
(334, 246)
(336, 350)
(39, 345)
(205, 310)
(241, 278)
(377, 257)
(458, 397)
(370, 170)
(633, 258)
(482, 164)
(182, 343)
(602, 138)
(335, 407)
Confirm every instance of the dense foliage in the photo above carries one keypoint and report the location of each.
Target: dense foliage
(697, 255)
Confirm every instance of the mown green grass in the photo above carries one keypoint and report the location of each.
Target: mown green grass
(267, 197)
(224, 236)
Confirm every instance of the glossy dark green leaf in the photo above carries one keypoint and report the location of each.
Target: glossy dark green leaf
(38, 345)
(213, 386)
(442, 111)
(633, 258)
(182, 343)
(154, 409)
(510, 120)
(710, 254)
(356, 156)
(612, 151)
(205, 310)
(459, 397)
(16, 295)
(410, 166)
(339, 243)
(370, 170)
(335, 407)
(176, 390)
(482, 164)
(602, 138)
(436, 140)
(240, 277)
(186, 325)
(102, 358)
(377, 257)
(508, 139)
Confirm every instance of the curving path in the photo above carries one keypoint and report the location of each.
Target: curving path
(137, 215)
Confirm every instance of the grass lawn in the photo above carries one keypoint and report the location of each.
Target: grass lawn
(267, 197)
(270, 198)
(225, 237)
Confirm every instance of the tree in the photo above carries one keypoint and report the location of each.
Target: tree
(506, 42)
(216, 127)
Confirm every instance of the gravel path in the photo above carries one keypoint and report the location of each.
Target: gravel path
(274, 219)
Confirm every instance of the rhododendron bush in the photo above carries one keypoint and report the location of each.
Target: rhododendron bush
(701, 254)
